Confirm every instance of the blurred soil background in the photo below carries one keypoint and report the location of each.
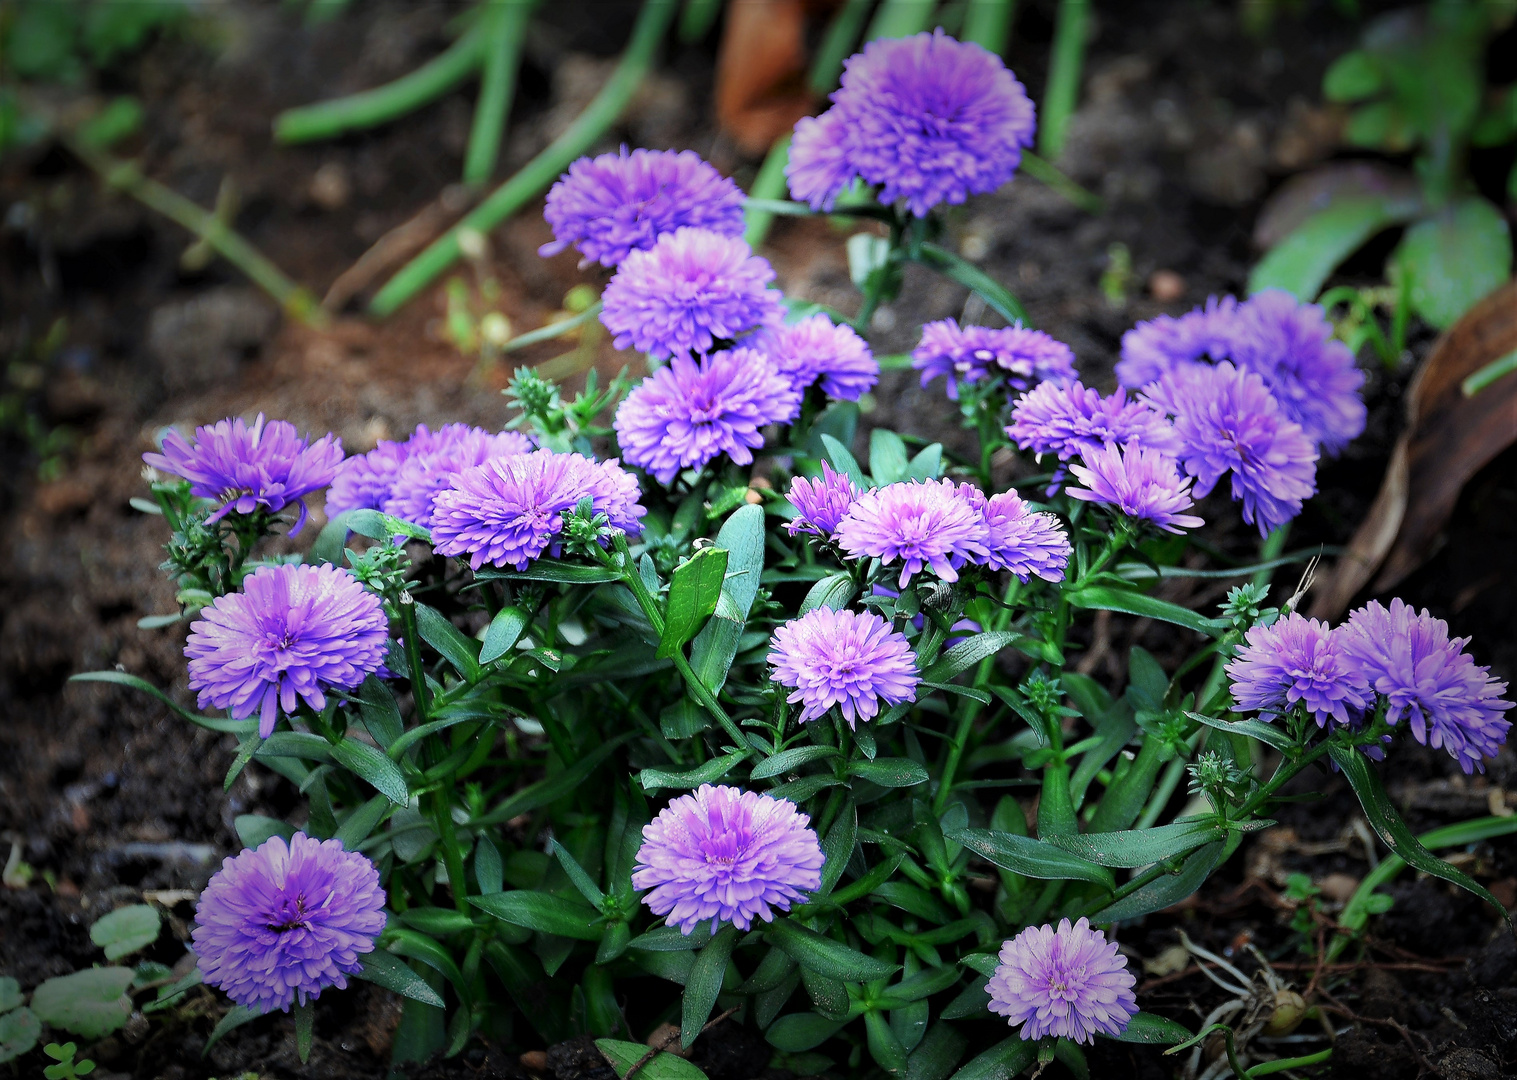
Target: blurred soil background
(1188, 119)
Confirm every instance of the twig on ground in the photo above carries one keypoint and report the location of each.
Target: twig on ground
(669, 1039)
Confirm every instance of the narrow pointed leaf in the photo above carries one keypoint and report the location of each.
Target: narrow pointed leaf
(389, 971)
(1032, 858)
(693, 593)
(829, 958)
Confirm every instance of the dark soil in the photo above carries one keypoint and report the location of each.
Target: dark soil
(1188, 122)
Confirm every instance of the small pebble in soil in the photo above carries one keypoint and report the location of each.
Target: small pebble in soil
(1166, 286)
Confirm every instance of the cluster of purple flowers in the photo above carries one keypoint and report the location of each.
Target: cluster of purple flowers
(927, 119)
(967, 354)
(1398, 655)
(850, 659)
(1068, 982)
(249, 467)
(815, 350)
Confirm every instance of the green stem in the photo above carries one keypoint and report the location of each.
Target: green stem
(506, 31)
(1161, 793)
(126, 176)
(452, 858)
(987, 23)
(328, 119)
(1496, 369)
(1280, 1065)
(768, 185)
(842, 35)
(543, 169)
(696, 21)
(412, 638)
(1282, 776)
(553, 330)
(1045, 172)
(1270, 548)
(901, 18)
(1063, 76)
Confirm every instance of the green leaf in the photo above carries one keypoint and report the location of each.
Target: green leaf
(380, 526)
(1002, 1061)
(969, 652)
(831, 592)
(1167, 890)
(844, 462)
(10, 993)
(798, 1032)
(1104, 598)
(121, 678)
(371, 764)
(542, 912)
(838, 847)
(939, 1053)
(972, 277)
(582, 881)
(1301, 262)
(712, 651)
(663, 1066)
(927, 464)
(504, 632)
(305, 1027)
(793, 758)
(1151, 1030)
(693, 593)
(1354, 76)
(1392, 830)
(19, 1031)
(362, 822)
(437, 922)
(91, 1003)
(1140, 847)
(890, 772)
(254, 829)
(1031, 858)
(236, 1016)
(330, 542)
(560, 573)
(553, 788)
(380, 711)
(715, 769)
(459, 650)
(1453, 259)
(301, 745)
(704, 982)
(823, 955)
(1254, 729)
(887, 456)
(671, 939)
(173, 994)
(126, 930)
(405, 942)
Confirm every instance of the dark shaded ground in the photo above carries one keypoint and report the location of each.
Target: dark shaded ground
(1187, 123)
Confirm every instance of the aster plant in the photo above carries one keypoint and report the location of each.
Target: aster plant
(682, 698)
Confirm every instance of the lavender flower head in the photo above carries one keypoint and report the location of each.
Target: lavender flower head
(971, 353)
(279, 924)
(1312, 375)
(1141, 482)
(822, 502)
(850, 659)
(692, 287)
(1427, 678)
(510, 510)
(1297, 661)
(364, 481)
(689, 412)
(1152, 349)
(433, 459)
(817, 349)
(1229, 422)
(1019, 539)
(292, 633)
(615, 204)
(726, 855)
(245, 467)
(920, 523)
(1070, 420)
(1069, 982)
(927, 118)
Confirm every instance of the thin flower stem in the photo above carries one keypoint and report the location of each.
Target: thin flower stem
(506, 32)
(842, 34)
(1063, 85)
(452, 858)
(768, 188)
(412, 639)
(987, 23)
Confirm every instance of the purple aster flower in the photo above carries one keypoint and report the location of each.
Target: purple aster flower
(969, 353)
(850, 659)
(618, 203)
(927, 118)
(291, 633)
(509, 510)
(1069, 982)
(726, 855)
(246, 467)
(815, 348)
(689, 412)
(1427, 678)
(1140, 481)
(921, 523)
(1070, 420)
(432, 462)
(1294, 661)
(1229, 422)
(1019, 539)
(366, 481)
(822, 503)
(279, 924)
(692, 287)
(1153, 348)
(1312, 376)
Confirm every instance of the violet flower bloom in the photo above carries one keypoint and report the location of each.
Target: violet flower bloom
(929, 119)
(1141, 482)
(1154, 348)
(1229, 422)
(279, 924)
(432, 462)
(1070, 420)
(1297, 661)
(364, 481)
(1428, 679)
(292, 633)
(1069, 982)
(726, 855)
(970, 353)
(615, 204)
(689, 412)
(920, 523)
(244, 467)
(822, 502)
(850, 659)
(1312, 375)
(510, 510)
(691, 288)
(817, 349)
(1019, 539)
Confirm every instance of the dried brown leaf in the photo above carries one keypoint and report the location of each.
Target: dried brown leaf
(761, 71)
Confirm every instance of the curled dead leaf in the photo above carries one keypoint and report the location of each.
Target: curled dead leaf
(1448, 438)
(761, 86)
